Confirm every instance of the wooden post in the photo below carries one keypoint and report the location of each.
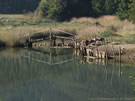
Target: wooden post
(97, 53)
(120, 54)
(50, 37)
(62, 42)
(119, 61)
(113, 48)
(29, 37)
(106, 50)
(54, 42)
(105, 45)
(30, 43)
(75, 40)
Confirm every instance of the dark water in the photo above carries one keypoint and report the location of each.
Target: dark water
(57, 75)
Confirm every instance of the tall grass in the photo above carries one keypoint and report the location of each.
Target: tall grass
(123, 28)
(90, 31)
(12, 16)
(16, 36)
(84, 27)
(107, 20)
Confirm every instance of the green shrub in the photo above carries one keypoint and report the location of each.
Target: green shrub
(108, 34)
(130, 41)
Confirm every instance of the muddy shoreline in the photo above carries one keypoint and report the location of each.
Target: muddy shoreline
(128, 53)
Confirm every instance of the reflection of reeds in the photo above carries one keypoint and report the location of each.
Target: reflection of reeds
(11, 52)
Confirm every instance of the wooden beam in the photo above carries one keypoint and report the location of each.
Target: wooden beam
(61, 37)
(37, 40)
(37, 32)
(63, 31)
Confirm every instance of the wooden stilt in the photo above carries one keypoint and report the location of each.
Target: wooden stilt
(119, 61)
(54, 42)
(62, 42)
(113, 48)
(50, 37)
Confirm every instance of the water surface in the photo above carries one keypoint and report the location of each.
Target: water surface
(59, 75)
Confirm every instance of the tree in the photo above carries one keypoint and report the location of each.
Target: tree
(123, 9)
(131, 11)
(98, 7)
(64, 9)
(110, 6)
(104, 7)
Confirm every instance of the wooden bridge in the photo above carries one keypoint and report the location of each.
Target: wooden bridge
(51, 37)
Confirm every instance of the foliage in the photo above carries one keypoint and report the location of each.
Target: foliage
(108, 34)
(66, 9)
(123, 9)
(111, 6)
(62, 10)
(132, 10)
(131, 39)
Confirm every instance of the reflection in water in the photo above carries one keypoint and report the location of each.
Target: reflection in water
(59, 75)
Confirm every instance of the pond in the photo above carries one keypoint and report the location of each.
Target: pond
(60, 75)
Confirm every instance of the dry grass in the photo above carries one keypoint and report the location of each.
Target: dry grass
(12, 35)
(12, 52)
(125, 29)
(90, 32)
(107, 20)
(12, 16)
(16, 36)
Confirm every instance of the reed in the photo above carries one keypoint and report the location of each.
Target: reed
(13, 37)
(90, 31)
(84, 27)
(107, 20)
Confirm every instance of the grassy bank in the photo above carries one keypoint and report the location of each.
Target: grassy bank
(13, 28)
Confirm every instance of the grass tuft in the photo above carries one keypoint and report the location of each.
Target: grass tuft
(108, 34)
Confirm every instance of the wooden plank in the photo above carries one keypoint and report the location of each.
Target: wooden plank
(37, 40)
(63, 31)
(36, 32)
(40, 31)
(61, 37)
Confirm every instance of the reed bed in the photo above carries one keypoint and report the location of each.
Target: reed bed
(13, 37)
(107, 20)
(84, 27)
(122, 28)
(90, 31)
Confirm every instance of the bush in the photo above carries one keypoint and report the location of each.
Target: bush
(108, 34)
(130, 41)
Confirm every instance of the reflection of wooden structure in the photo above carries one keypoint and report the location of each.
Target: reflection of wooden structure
(50, 54)
(51, 37)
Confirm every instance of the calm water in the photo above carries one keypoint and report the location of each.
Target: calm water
(57, 75)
